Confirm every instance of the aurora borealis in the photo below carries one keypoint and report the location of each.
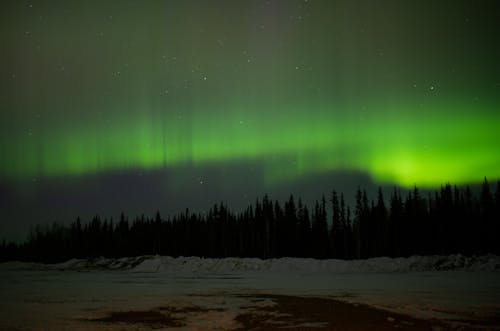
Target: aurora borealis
(412, 151)
(404, 93)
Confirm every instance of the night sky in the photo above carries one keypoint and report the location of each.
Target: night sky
(138, 106)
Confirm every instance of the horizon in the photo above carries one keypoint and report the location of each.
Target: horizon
(350, 201)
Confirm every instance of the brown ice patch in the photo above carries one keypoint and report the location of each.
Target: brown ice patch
(189, 309)
(150, 318)
(310, 313)
(171, 316)
(279, 312)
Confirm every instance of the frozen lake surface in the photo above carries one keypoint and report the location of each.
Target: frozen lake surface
(68, 295)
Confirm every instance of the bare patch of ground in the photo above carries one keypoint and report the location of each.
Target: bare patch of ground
(188, 309)
(151, 318)
(161, 317)
(266, 312)
(293, 313)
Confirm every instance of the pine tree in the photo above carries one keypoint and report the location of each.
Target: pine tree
(496, 220)
(395, 220)
(487, 224)
(380, 218)
(358, 215)
(304, 230)
(290, 226)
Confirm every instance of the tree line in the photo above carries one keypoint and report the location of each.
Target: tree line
(446, 221)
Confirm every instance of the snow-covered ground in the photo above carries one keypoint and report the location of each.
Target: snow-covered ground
(60, 296)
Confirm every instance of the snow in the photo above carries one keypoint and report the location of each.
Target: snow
(199, 265)
(60, 295)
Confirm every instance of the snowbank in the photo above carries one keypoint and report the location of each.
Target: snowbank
(297, 265)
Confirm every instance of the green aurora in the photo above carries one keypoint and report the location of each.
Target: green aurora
(402, 150)
(293, 85)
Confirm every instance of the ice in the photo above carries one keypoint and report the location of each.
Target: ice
(61, 295)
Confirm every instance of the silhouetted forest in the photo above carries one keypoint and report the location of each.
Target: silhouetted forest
(446, 221)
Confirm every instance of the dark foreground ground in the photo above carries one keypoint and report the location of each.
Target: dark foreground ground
(234, 294)
(290, 313)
